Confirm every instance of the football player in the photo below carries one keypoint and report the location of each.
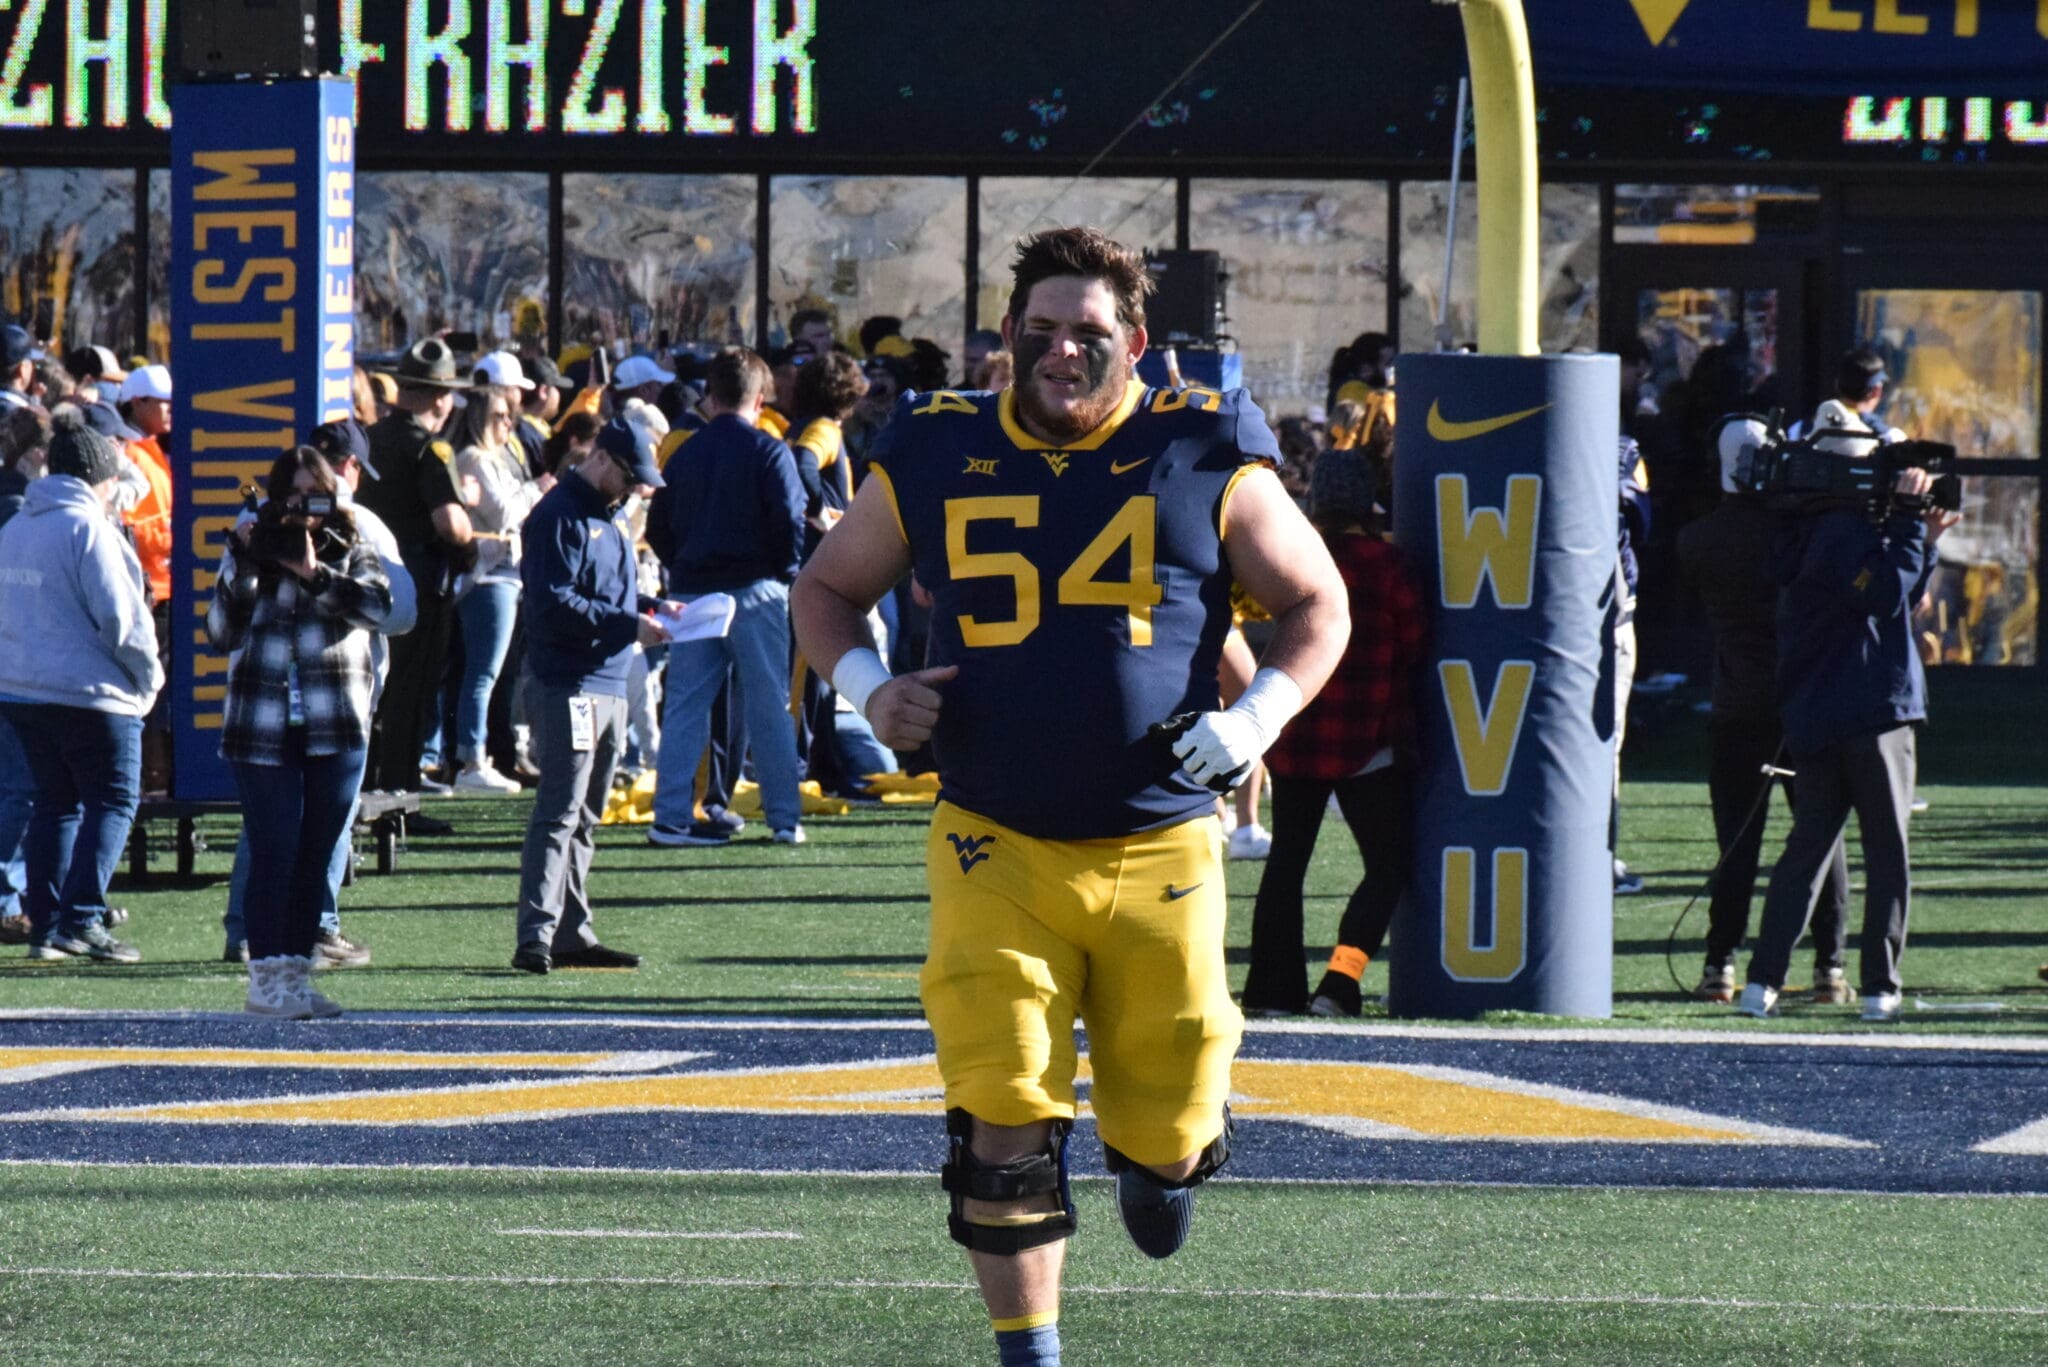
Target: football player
(1079, 535)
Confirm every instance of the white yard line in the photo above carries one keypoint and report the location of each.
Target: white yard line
(650, 1233)
(926, 1174)
(877, 1284)
(1880, 1037)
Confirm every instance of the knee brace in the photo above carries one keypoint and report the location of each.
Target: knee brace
(1212, 1158)
(965, 1177)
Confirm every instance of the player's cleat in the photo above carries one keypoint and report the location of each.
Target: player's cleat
(1831, 988)
(533, 959)
(1758, 1001)
(596, 956)
(1157, 1216)
(1717, 984)
(1882, 1008)
(1250, 841)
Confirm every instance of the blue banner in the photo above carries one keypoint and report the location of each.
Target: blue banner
(1795, 47)
(1506, 499)
(263, 342)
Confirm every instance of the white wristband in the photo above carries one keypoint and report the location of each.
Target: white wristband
(860, 672)
(1269, 704)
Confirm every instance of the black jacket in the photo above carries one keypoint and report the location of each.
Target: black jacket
(1726, 555)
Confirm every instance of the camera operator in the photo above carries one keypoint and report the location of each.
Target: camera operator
(1851, 690)
(1726, 556)
(299, 595)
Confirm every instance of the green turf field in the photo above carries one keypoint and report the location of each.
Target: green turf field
(352, 1266)
(836, 927)
(235, 1264)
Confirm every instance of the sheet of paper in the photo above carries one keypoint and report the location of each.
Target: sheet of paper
(703, 618)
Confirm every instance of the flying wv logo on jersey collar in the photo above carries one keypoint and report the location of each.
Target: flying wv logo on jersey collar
(969, 849)
(1057, 460)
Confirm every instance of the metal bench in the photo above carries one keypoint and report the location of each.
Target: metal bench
(382, 817)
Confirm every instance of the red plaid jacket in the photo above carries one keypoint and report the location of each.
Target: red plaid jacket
(1369, 702)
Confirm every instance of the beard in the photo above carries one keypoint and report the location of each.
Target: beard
(1107, 371)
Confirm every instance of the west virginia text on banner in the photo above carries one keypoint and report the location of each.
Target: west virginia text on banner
(1505, 499)
(262, 340)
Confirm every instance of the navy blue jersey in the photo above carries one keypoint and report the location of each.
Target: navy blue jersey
(1081, 591)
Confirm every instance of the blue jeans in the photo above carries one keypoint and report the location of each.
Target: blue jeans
(860, 754)
(294, 814)
(87, 769)
(758, 649)
(486, 614)
(236, 922)
(17, 802)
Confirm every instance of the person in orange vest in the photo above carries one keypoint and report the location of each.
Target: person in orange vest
(146, 406)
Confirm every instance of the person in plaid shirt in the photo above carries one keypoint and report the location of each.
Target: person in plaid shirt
(1356, 739)
(298, 596)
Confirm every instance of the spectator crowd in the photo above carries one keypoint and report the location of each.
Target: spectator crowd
(480, 582)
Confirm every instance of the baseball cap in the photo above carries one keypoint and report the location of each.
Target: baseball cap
(95, 362)
(635, 371)
(628, 444)
(149, 382)
(103, 419)
(344, 440)
(16, 346)
(547, 373)
(501, 369)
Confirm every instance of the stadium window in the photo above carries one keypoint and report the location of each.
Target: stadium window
(1570, 265)
(857, 246)
(67, 253)
(453, 250)
(1137, 212)
(648, 257)
(1713, 215)
(1307, 262)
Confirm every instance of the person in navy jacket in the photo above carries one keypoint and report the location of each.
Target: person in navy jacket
(1851, 692)
(584, 612)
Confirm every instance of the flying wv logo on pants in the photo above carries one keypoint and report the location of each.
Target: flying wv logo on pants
(969, 849)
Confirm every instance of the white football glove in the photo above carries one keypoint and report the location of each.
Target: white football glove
(1220, 744)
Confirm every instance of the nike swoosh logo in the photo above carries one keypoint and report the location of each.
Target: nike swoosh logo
(1443, 429)
(1174, 894)
(1116, 468)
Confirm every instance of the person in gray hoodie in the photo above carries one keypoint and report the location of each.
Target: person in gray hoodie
(78, 669)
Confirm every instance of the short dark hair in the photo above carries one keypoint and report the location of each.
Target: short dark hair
(803, 318)
(24, 429)
(829, 386)
(873, 330)
(1862, 370)
(736, 377)
(1086, 252)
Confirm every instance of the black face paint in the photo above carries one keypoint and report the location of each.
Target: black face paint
(1095, 398)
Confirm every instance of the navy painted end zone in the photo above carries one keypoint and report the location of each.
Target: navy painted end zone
(1923, 1109)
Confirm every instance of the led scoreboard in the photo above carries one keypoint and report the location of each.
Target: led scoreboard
(797, 85)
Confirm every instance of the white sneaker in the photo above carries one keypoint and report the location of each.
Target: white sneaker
(1250, 841)
(793, 836)
(1883, 1008)
(1758, 1001)
(482, 778)
(282, 988)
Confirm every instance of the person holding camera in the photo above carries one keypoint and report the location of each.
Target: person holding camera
(1851, 693)
(299, 595)
(78, 671)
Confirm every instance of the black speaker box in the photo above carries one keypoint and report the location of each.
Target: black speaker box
(223, 39)
(1187, 296)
